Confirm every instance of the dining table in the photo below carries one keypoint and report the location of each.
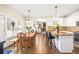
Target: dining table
(30, 37)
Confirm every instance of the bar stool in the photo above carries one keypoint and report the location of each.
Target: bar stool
(50, 37)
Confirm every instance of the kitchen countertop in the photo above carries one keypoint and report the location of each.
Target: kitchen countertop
(62, 33)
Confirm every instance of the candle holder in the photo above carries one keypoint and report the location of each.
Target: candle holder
(28, 28)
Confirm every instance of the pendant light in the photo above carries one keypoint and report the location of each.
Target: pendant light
(28, 15)
(57, 25)
(55, 21)
(56, 11)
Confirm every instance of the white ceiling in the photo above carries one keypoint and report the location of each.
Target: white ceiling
(44, 10)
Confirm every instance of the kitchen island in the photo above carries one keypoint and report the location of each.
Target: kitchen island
(64, 41)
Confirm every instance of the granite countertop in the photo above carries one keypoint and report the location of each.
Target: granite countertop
(62, 33)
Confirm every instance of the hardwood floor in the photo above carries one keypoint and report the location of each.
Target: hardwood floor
(40, 47)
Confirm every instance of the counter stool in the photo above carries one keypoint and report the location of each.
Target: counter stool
(50, 37)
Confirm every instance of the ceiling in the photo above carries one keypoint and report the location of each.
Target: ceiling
(44, 10)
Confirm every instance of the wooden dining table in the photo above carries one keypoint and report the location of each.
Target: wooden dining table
(29, 35)
(31, 38)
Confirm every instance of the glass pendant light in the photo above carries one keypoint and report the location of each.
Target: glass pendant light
(57, 24)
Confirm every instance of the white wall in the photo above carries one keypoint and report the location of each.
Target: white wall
(53, 21)
(49, 22)
(11, 14)
(71, 19)
(63, 21)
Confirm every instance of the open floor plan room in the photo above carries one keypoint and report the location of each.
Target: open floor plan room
(39, 28)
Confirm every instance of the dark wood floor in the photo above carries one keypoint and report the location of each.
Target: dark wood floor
(40, 47)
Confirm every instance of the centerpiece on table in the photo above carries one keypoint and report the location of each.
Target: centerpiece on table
(58, 29)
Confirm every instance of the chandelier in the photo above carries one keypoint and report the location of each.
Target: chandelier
(28, 23)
